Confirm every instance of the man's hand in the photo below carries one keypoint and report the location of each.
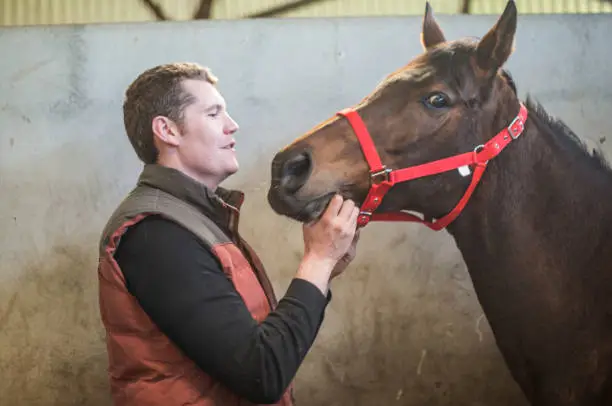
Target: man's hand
(347, 258)
(327, 241)
(331, 236)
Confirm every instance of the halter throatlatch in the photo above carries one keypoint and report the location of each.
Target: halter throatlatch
(382, 178)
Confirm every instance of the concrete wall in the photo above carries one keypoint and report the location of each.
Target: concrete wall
(404, 316)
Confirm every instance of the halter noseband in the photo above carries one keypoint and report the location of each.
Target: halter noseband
(383, 178)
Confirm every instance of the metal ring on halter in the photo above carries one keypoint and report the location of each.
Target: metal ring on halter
(478, 149)
(380, 176)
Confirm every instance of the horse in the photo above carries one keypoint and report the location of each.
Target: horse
(446, 142)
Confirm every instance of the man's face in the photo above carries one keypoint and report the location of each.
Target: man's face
(206, 147)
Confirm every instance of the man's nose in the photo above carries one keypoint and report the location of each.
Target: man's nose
(231, 126)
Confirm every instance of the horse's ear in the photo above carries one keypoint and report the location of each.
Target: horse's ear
(431, 34)
(496, 46)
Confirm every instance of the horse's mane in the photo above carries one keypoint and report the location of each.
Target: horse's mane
(557, 127)
(561, 131)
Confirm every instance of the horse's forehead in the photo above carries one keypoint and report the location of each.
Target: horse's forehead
(415, 71)
(451, 57)
(459, 53)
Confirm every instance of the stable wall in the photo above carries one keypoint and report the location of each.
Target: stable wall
(404, 326)
(37, 12)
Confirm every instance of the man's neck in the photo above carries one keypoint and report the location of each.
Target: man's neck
(209, 182)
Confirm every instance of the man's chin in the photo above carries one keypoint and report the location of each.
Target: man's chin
(232, 169)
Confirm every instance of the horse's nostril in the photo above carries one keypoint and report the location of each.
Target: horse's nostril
(297, 165)
(295, 172)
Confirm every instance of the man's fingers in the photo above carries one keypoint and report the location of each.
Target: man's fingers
(347, 209)
(333, 207)
(354, 215)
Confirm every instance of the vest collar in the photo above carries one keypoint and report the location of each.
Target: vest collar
(219, 203)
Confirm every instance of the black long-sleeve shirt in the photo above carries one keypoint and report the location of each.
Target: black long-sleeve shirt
(182, 287)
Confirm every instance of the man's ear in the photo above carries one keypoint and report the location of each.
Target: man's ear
(166, 131)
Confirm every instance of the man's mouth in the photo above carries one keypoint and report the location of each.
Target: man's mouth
(231, 145)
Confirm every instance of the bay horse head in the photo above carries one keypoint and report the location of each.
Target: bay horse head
(436, 115)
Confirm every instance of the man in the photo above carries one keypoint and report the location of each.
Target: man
(190, 314)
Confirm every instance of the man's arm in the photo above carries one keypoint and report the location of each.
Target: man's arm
(182, 287)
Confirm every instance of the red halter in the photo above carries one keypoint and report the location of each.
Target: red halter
(382, 178)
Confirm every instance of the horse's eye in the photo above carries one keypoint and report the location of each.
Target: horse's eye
(437, 100)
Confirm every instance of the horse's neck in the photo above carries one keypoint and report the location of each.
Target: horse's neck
(541, 207)
(535, 238)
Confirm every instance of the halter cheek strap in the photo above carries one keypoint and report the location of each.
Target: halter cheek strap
(382, 178)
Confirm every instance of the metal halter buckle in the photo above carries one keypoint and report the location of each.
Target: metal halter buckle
(380, 176)
(516, 132)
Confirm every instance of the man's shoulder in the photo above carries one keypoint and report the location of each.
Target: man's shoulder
(162, 211)
(157, 226)
(155, 233)
(157, 247)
